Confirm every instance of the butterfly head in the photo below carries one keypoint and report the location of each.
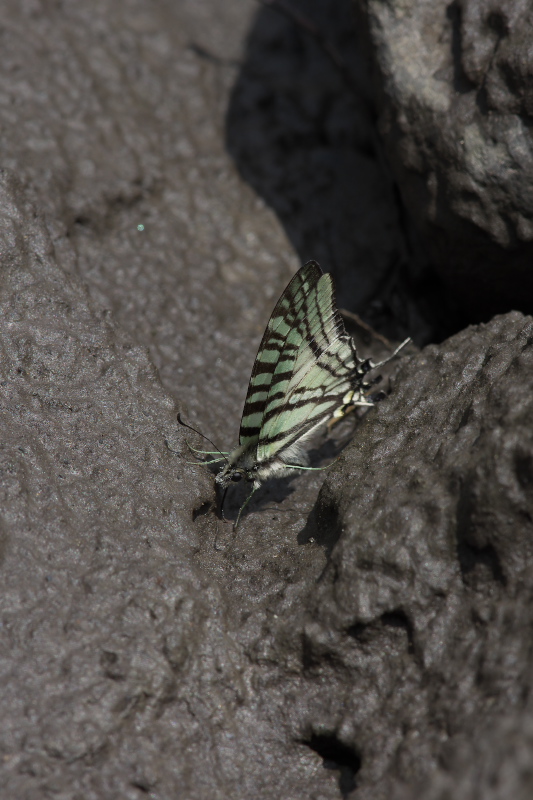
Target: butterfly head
(241, 465)
(229, 475)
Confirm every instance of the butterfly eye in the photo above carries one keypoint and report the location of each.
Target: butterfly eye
(236, 476)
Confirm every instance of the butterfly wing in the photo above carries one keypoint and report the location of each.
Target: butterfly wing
(278, 350)
(313, 379)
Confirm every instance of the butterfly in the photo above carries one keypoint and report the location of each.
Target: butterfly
(306, 373)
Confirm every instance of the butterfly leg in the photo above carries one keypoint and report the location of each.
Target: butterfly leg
(311, 469)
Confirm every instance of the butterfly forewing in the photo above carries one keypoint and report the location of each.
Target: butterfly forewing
(279, 346)
(322, 375)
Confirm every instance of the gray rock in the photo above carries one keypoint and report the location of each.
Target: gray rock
(146, 649)
(423, 609)
(455, 109)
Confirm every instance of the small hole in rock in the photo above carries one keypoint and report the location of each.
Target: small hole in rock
(142, 786)
(82, 220)
(338, 756)
(203, 509)
(399, 619)
(482, 563)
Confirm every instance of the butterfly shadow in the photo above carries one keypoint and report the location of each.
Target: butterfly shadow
(322, 525)
(272, 494)
(269, 497)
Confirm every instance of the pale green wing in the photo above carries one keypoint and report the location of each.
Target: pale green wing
(321, 373)
(278, 350)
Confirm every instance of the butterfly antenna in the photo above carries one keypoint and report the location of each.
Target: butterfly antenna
(185, 425)
(392, 355)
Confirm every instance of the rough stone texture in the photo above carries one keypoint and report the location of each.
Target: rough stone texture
(426, 601)
(455, 111)
(146, 650)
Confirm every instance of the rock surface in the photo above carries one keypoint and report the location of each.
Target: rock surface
(427, 596)
(455, 112)
(377, 646)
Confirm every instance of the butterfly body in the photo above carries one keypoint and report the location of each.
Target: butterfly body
(243, 463)
(306, 373)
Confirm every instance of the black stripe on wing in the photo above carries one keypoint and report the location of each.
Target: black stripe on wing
(324, 371)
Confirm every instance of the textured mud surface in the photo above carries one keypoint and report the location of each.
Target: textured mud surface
(165, 168)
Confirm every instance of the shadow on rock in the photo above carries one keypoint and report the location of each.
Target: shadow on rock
(304, 137)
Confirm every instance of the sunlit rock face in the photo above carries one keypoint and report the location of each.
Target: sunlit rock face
(453, 82)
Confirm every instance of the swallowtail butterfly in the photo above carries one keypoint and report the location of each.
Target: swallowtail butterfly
(305, 374)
